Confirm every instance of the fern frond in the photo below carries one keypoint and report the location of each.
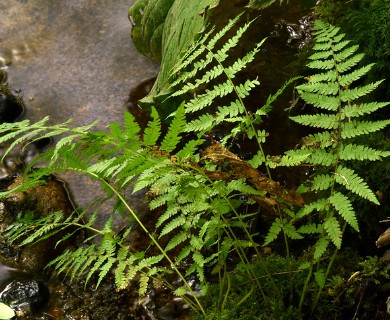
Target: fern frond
(347, 95)
(274, 231)
(171, 210)
(318, 205)
(241, 186)
(291, 158)
(192, 54)
(321, 64)
(244, 89)
(143, 284)
(356, 128)
(320, 247)
(347, 79)
(333, 230)
(105, 269)
(322, 88)
(344, 54)
(221, 54)
(205, 122)
(361, 152)
(206, 99)
(322, 157)
(320, 101)
(344, 207)
(172, 225)
(291, 232)
(172, 138)
(310, 228)
(349, 179)
(320, 278)
(177, 240)
(323, 121)
(330, 76)
(357, 110)
(322, 139)
(347, 65)
(257, 160)
(153, 129)
(241, 63)
(321, 182)
(215, 72)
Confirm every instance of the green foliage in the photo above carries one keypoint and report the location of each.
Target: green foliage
(197, 214)
(334, 93)
(200, 197)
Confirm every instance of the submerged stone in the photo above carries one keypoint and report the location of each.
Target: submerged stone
(11, 106)
(26, 296)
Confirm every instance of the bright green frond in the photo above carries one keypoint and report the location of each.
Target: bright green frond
(274, 231)
(232, 42)
(347, 95)
(322, 139)
(330, 76)
(349, 179)
(347, 65)
(348, 78)
(344, 207)
(322, 182)
(356, 128)
(357, 110)
(346, 53)
(338, 46)
(320, 120)
(322, 88)
(333, 230)
(321, 101)
(361, 152)
(310, 228)
(172, 138)
(291, 232)
(320, 247)
(318, 205)
(203, 123)
(153, 129)
(322, 64)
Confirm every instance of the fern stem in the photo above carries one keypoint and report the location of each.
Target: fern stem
(289, 264)
(239, 250)
(305, 286)
(330, 264)
(227, 292)
(155, 242)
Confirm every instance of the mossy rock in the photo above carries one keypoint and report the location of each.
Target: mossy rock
(163, 30)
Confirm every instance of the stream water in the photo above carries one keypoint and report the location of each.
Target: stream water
(75, 59)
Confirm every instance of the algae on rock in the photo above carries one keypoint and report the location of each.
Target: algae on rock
(163, 30)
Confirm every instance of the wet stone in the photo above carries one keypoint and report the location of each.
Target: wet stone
(11, 106)
(43, 199)
(25, 295)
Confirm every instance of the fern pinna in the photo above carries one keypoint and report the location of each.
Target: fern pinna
(340, 118)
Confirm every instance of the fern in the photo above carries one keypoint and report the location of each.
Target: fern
(341, 117)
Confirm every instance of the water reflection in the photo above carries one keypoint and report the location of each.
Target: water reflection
(71, 59)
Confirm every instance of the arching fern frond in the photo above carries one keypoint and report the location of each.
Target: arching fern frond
(335, 89)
